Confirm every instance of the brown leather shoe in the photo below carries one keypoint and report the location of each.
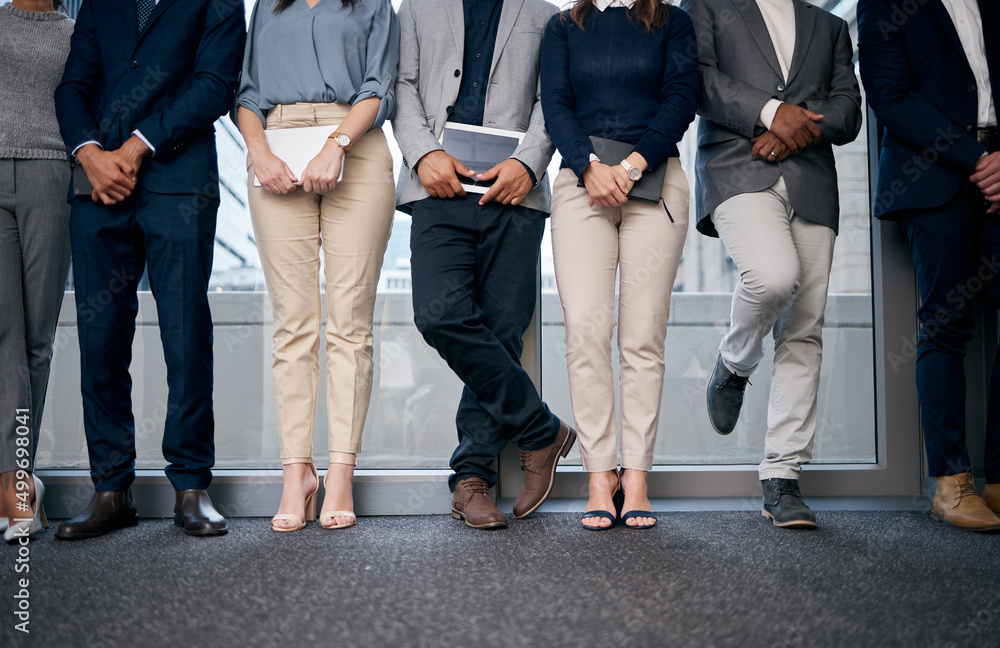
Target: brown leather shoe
(471, 502)
(539, 468)
(991, 495)
(195, 513)
(957, 503)
(106, 512)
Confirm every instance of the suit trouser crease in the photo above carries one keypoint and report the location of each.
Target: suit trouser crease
(592, 246)
(34, 263)
(784, 263)
(351, 226)
(474, 290)
(173, 237)
(956, 254)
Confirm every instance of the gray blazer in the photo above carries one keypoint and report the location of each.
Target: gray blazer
(739, 74)
(432, 40)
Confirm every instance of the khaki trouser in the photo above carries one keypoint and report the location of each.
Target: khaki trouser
(784, 263)
(352, 225)
(590, 246)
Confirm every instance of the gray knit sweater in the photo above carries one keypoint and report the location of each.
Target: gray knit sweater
(33, 50)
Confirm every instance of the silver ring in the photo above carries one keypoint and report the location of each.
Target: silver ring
(772, 154)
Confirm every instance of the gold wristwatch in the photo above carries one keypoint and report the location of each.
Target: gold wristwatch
(342, 140)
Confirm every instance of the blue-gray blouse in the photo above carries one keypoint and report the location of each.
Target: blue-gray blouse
(327, 54)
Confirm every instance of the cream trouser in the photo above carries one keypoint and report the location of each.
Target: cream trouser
(784, 263)
(591, 245)
(351, 224)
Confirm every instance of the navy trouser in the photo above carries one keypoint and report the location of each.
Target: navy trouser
(474, 289)
(174, 236)
(956, 254)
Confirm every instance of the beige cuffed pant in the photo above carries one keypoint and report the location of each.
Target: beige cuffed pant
(351, 224)
(591, 245)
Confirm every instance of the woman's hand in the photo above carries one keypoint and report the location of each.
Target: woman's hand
(606, 186)
(322, 172)
(272, 172)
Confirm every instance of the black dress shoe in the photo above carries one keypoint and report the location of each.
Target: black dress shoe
(195, 513)
(783, 504)
(725, 397)
(107, 511)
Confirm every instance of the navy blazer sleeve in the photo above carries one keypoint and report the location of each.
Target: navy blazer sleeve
(216, 70)
(887, 77)
(79, 84)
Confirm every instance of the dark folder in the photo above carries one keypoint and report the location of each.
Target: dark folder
(612, 152)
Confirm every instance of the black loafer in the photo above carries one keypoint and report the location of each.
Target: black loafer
(195, 513)
(106, 512)
(725, 397)
(783, 504)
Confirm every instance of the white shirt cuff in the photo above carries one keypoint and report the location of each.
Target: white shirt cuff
(767, 113)
(84, 144)
(152, 149)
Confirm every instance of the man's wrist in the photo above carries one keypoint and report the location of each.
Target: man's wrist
(531, 174)
(85, 151)
(768, 112)
(137, 147)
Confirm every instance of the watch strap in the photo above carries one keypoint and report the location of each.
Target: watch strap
(335, 137)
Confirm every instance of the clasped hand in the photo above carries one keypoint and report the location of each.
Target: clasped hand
(987, 178)
(795, 127)
(113, 174)
(608, 186)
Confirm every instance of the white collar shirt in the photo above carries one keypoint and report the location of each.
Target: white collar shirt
(969, 24)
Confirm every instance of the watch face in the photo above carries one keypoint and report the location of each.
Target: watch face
(634, 174)
(343, 140)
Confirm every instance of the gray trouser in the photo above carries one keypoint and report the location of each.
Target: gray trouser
(34, 261)
(784, 263)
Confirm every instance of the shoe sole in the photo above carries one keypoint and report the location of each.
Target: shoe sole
(794, 524)
(563, 451)
(492, 525)
(179, 522)
(83, 536)
(985, 529)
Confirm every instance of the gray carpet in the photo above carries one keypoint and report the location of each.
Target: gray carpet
(699, 579)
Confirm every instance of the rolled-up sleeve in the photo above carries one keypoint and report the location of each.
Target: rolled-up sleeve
(383, 57)
(248, 91)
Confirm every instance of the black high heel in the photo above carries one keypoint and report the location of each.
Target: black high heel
(617, 498)
(628, 515)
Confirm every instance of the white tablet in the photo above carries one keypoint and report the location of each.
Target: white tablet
(298, 146)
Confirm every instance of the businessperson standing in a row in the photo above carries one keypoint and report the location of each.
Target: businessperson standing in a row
(778, 91)
(34, 244)
(621, 71)
(320, 63)
(933, 79)
(144, 83)
(474, 256)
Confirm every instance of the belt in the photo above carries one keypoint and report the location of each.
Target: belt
(989, 137)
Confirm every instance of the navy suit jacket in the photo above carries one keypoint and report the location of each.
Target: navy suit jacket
(923, 91)
(171, 82)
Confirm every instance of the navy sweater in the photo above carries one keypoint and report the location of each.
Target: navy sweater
(618, 81)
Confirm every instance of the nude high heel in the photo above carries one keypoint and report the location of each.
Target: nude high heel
(310, 510)
(326, 519)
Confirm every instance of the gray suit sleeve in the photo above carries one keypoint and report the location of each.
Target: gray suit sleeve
(724, 100)
(536, 149)
(841, 110)
(410, 126)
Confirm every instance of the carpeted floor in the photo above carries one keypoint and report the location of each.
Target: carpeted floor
(699, 579)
